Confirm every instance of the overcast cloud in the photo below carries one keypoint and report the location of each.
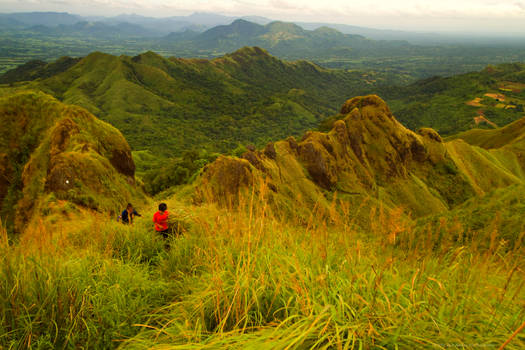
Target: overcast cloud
(502, 16)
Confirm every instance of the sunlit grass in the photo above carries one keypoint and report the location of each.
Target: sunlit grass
(248, 278)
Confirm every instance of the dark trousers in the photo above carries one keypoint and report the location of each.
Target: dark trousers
(165, 233)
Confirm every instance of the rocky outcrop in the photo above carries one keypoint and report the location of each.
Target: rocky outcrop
(225, 178)
(367, 153)
(62, 153)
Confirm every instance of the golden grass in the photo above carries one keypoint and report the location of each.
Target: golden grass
(251, 276)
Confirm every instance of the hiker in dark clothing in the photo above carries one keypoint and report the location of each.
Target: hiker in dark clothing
(128, 214)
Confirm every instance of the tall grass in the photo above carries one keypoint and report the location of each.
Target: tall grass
(246, 277)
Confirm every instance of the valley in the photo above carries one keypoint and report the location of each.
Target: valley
(191, 110)
(324, 190)
(296, 241)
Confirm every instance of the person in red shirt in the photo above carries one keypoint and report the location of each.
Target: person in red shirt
(160, 219)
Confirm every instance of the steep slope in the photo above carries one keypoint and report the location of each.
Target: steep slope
(37, 69)
(512, 134)
(171, 105)
(52, 154)
(367, 155)
(474, 222)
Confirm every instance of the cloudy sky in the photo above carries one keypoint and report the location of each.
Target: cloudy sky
(481, 16)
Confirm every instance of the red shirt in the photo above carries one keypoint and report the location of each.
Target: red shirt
(161, 221)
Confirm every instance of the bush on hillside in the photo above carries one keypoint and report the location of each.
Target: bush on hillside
(176, 171)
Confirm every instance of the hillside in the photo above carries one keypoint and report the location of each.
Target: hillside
(191, 109)
(37, 69)
(57, 160)
(367, 236)
(171, 105)
(257, 98)
(512, 135)
(492, 97)
(369, 155)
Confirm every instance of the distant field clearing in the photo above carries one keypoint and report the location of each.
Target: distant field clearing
(512, 87)
(499, 97)
(475, 102)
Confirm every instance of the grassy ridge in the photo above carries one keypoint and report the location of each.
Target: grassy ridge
(168, 106)
(489, 139)
(317, 270)
(171, 105)
(250, 278)
(366, 154)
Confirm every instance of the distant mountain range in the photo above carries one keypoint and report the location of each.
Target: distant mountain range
(49, 36)
(30, 19)
(202, 21)
(283, 39)
(143, 26)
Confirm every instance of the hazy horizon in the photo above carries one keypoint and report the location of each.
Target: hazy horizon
(485, 17)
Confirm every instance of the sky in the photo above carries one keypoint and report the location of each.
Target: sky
(472, 16)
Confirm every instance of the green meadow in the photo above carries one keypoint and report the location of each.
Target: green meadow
(249, 278)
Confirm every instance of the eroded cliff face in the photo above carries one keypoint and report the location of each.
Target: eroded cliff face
(53, 152)
(368, 153)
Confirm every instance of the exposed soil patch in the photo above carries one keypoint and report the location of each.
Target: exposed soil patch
(475, 102)
(498, 97)
(482, 119)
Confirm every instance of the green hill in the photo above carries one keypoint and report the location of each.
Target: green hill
(251, 97)
(37, 69)
(367, 236)
(490, 98)
(56, 158)
(512, 134)
(370, 155)
(167, 106)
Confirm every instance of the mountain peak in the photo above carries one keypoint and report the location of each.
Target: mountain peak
(238, 27)
(252, 51)
(241, 21)
(288, 27)
(364, 101)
